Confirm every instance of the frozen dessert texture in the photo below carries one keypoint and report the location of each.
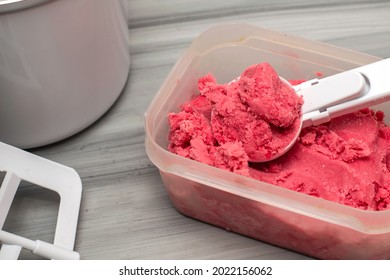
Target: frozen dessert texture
(191, 136)
(256, 111)
(345, 160)
(261, 89)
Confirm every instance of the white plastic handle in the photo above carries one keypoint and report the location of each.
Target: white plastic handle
(345, 93)
(322, 93)
(39, 247)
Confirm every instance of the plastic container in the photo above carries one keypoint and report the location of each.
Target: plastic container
(309, 225)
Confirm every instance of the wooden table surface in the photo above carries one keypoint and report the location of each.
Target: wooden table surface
(125, 211)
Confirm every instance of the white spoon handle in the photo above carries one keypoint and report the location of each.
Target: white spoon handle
(345, 93)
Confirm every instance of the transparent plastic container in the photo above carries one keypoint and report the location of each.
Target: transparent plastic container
(299, 222)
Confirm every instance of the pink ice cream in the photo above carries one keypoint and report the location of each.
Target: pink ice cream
(257, 111)
(345, 160)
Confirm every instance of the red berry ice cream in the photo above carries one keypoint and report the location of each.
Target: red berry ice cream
(228, 125)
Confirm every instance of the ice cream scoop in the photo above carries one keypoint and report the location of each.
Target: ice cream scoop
(334, 96)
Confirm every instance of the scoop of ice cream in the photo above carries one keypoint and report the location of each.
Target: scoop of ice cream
(268, 96)
(258, 110)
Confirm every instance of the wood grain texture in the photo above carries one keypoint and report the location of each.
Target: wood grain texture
(125, 211)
